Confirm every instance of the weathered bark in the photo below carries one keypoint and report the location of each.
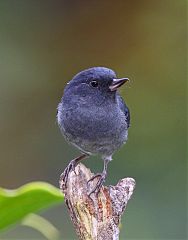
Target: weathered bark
(96, 217)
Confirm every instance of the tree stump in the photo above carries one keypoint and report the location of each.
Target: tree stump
(95, 217)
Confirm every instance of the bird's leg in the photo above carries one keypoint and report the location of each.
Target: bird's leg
(101, 177)
(71, 167)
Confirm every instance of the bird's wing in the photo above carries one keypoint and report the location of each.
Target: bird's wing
(124, 109)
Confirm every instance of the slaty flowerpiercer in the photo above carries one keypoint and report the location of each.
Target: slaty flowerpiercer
(93, 117)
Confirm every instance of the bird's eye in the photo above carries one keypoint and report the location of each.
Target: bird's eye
(94, 83)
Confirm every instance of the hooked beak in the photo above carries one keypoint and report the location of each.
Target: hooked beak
(117, 82)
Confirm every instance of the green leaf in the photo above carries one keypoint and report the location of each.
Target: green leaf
(32, 197)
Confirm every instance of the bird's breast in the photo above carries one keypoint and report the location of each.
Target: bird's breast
(96, 129)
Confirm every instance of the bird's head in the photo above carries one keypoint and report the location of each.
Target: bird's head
(96, 82)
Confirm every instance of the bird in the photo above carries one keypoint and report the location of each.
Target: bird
(94, 118)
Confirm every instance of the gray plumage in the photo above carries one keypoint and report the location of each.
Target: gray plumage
(92, 115)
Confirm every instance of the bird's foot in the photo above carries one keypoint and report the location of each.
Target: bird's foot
(71, 167)
(64, 176)
(99, 184)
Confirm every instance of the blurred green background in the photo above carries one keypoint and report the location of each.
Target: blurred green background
(42, 45)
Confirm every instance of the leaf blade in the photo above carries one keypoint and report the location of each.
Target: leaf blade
(31, 197)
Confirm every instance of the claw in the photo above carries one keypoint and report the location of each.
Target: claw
(71, 167)
(64, 176)
(99, 183)
(95, 176)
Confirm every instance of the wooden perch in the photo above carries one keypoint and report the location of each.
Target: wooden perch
(96, 217)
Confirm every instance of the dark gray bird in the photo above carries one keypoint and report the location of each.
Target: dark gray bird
(93, 117)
